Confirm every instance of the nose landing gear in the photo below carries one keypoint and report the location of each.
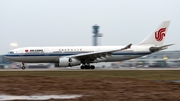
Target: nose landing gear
(23, 67)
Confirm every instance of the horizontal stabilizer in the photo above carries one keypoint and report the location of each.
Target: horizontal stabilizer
(154, 49)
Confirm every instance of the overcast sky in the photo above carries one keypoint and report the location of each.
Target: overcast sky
(69, 22)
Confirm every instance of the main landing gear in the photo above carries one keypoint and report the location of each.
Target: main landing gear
(23, 67)
(87, 67)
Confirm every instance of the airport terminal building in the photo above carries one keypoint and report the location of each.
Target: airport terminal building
(163, 55)
(4, 61)
(158, 59)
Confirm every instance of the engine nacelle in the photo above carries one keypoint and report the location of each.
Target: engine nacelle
(68, 62)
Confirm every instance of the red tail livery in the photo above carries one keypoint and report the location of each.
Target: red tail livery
(159, 35)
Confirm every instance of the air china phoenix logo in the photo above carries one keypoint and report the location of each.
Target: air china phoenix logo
(159, 35)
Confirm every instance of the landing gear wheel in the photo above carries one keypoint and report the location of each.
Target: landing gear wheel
(87, 67)
(23, 67)
(82, 67)
(92, 67)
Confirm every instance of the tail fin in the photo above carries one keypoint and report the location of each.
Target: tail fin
(158, 35)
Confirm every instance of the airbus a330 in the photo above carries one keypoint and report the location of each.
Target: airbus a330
(68, 56)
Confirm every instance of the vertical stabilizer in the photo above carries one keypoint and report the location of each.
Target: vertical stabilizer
(158, 35)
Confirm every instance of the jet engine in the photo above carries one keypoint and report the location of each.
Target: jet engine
(68, 62)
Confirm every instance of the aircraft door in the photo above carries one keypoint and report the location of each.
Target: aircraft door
(46, 51)
(134, 49)
(21, 51)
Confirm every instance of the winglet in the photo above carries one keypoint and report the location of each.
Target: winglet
(127, 47)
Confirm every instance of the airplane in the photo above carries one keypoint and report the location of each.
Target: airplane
(68, 56)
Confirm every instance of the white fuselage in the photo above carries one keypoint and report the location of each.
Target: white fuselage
(77, 55)
(52, 54)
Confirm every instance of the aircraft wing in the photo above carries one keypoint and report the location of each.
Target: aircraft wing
(91, 56)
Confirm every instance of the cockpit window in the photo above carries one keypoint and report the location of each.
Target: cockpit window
(11, 52)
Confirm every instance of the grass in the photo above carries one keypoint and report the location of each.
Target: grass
(138, 74)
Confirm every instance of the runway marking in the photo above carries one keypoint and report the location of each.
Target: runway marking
(43, 97)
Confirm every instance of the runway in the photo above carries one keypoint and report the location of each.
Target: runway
(97, 69)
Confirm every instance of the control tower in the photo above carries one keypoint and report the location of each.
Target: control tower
(96, 35)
